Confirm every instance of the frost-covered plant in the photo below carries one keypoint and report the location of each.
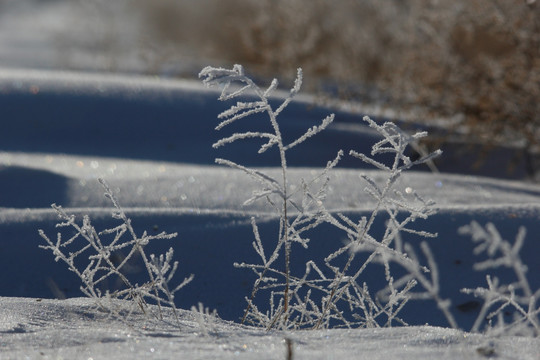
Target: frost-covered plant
(296, 217)
(400, 209)
(498, 297)
(102, 258)
(319, 297)
(205, 318)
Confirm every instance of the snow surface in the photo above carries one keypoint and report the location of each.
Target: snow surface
(151, 140)
(73, 329)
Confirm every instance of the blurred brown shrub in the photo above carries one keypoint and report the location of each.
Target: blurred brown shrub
(477, 61)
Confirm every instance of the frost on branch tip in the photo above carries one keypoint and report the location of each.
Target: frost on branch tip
(395, 141)
(213, 76)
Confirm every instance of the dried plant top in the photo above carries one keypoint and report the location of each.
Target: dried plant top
(102, 258)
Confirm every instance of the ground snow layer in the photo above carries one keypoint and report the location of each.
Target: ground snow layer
(73, 329)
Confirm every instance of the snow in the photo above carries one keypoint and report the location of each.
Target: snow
(151, 139)
(73, 329)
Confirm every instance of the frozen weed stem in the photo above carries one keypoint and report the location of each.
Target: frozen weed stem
(205, 318)
(100, 261)
(236, 84)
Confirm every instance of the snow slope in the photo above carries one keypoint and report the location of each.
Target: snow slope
(151, 140)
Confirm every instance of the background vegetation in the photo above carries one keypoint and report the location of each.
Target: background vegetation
(474, 63)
